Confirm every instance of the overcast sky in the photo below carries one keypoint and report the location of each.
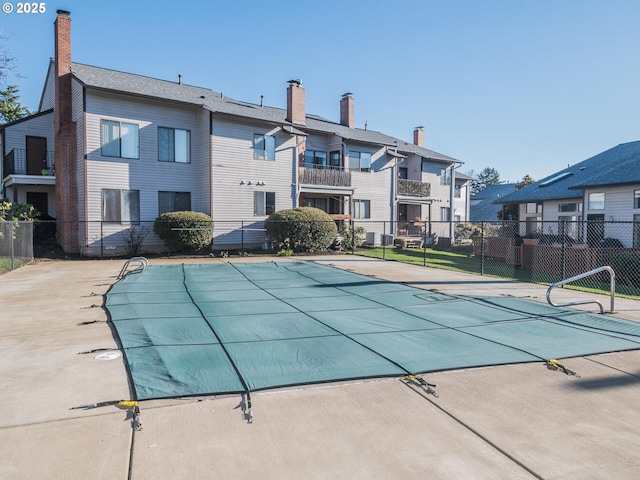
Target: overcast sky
(525, 87)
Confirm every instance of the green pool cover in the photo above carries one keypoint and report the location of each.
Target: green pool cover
(226, 328)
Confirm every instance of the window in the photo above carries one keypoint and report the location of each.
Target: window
(264, 203)
(596, 201)
(534, 207)
(320, 203)
(121, 206)
(362, 209)
(636, 231)
(174, 145)
(424, 165)
(403, 172)
(444, 214)
(636, 199)
(334, 159)
(314, 159)
(445, 176)
(174, 202)
(567, 207)
(264, 147)
(456, 191)
(359, 161)
(533, 226)
(119, 139)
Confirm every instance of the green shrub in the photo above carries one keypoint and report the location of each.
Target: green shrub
(302, 229)
(350, 237)
(184, 240)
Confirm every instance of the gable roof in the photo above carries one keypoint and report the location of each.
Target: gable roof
(483, 207)
(139, 85)
(616, 166)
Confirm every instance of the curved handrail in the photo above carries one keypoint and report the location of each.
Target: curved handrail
(144, 263)
(578, 277)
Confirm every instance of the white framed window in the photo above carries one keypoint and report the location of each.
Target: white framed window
(120, 206)
(174, 202)
(596, 201)
(264, 147)
(174, 145)
(264, 203)
(445, 214)
(359, 161)
(119, 139)
(636, 199)
(362, 209)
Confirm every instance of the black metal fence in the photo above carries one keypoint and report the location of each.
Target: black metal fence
(541, 252)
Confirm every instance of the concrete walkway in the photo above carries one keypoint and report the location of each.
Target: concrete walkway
(514, 421)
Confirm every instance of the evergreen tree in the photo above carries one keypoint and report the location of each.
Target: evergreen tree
(488, 176)
(10, 108)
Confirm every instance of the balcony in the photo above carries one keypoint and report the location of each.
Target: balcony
(17, 163)
(413, 188)
(324, 175)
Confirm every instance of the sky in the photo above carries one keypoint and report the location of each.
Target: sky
(526, 87)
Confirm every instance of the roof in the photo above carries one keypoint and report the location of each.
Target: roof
(116, 81)
(482, 206)
(617, 166)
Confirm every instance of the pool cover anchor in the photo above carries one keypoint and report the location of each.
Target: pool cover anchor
(553, 364)
(427, 387)
(132, 406)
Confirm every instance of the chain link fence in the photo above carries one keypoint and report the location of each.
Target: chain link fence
(538, 252)
(16, 244)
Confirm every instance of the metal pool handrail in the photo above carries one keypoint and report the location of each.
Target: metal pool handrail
(578, 277)
(144, 263)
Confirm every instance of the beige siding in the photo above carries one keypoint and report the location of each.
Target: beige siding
(146, 174)
(237, 176)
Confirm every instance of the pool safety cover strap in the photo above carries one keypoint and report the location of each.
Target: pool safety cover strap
(226, 328)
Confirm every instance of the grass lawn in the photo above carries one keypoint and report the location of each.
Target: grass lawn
(5, 264)
(467, 263)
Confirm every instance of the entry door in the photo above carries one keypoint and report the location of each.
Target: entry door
(36, 155)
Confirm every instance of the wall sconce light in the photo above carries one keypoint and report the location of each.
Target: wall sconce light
(241, 182)
(249, 182)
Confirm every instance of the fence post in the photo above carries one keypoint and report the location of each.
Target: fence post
(13, 239)
(353, 236)
(384, 240)
(481, 248)
(424, 248)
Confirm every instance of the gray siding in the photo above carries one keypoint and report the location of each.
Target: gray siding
(40, 126)
(146, 174)
(48, 92)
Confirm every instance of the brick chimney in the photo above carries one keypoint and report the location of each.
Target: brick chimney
(65, 140)
(418, 136)
(295, 102)
(347, 110)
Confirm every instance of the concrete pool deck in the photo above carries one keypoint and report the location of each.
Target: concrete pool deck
(514, 421)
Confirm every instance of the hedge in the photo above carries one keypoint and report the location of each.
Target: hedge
(201, 235)
(302, 229)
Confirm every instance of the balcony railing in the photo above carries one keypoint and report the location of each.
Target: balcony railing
(15, 163)
(324, 175)
(413, 188)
